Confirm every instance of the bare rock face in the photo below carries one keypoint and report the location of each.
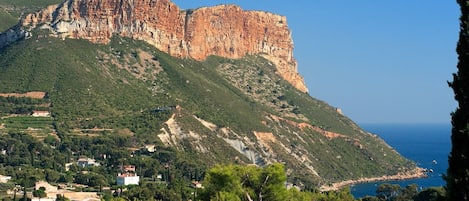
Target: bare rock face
(224, 30)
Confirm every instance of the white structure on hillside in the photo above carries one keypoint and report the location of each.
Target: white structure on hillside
(82, 162)
(150, 148)
(127, 176)
(127, 179)
(87, 162)
(196, 184)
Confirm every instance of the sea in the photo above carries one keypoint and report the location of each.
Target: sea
(426, 144)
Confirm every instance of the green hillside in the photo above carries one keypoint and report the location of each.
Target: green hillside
(216, 111)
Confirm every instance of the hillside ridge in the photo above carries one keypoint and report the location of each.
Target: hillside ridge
(195, 112)
(196, 33)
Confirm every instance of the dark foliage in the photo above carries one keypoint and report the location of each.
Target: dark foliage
(458, 171)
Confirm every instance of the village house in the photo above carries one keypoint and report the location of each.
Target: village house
(82, 162)
(127, 176)
(150, 148)
(124, 179)
(87, 162)
(196, 184)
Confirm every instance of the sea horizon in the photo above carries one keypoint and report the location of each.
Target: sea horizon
(427, 144)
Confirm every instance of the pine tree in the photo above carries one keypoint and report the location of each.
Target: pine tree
(457, 178)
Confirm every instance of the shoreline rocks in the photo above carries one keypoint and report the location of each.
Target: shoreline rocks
(411, 174)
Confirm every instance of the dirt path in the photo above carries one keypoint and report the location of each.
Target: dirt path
(31, 94)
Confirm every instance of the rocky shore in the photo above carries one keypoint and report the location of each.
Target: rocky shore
(412, 174)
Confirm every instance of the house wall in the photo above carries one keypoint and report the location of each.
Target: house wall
(132, 180)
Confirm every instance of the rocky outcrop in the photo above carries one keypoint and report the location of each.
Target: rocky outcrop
(405, 175)
(224, 30)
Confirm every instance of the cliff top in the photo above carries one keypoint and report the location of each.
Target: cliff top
(195, 33)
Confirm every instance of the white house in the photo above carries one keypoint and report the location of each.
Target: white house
(127, 179)
(150, 148)
(159, 176)
(87, 162)
(196, 184)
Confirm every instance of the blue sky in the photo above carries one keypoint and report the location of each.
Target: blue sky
(379, 61)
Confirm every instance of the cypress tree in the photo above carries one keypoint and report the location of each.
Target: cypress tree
(457, 178)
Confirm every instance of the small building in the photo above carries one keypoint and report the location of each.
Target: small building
(196, 184)
(87, 162)
(150, 148)
(127, 176)
(159, 176)
(338, 110)
(125, 179)
(37, 113)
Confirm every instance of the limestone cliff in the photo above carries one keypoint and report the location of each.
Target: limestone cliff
(224, 30)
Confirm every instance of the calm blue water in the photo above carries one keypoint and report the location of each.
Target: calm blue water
(421, 143)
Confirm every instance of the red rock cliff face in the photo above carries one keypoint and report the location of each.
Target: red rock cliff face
(224, 30)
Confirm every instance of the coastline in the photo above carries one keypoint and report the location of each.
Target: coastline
(417, 172)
